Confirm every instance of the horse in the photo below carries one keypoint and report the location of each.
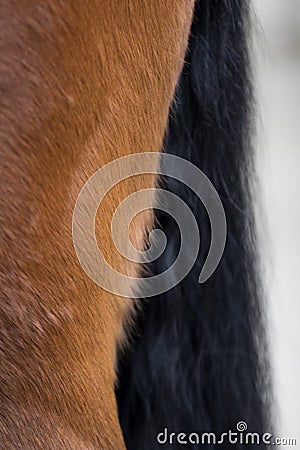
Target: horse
(84, 84)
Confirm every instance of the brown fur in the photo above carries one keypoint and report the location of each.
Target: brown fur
(81, 83)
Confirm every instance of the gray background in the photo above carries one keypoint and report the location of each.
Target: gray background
(278, 94)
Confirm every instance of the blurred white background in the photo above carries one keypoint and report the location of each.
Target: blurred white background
(278, 95)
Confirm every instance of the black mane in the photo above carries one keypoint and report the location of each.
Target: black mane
(199, 360)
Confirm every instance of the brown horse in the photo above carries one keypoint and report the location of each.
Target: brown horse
(82, 84)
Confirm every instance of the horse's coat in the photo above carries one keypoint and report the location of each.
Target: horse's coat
(81, 83)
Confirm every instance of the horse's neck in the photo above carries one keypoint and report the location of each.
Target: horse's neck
(81, 85)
